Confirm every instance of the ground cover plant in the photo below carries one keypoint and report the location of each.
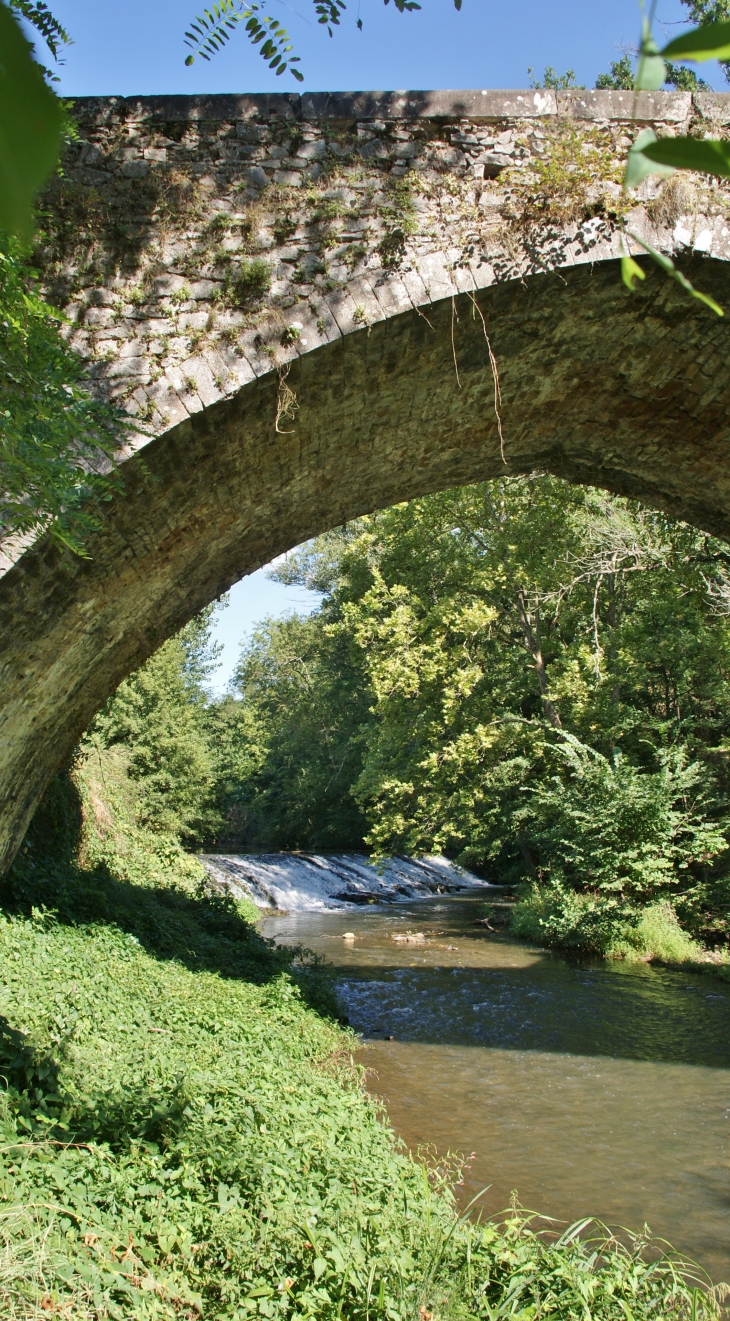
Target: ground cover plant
(183, 1133)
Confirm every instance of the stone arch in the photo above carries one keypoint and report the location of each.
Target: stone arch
(628, 392)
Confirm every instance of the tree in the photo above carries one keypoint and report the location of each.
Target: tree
(623, 77)
(303, 700)
(541, 680)
(703, 12)
(159, 717)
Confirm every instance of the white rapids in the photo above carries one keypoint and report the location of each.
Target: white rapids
(307, 882)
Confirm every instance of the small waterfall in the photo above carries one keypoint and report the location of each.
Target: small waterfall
(304, 882)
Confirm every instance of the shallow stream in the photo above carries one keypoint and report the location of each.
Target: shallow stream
(590, 1088)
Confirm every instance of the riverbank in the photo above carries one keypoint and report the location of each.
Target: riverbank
(594, 1087)
(184, 1134)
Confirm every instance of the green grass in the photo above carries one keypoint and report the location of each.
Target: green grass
(183, 1133)
(659, 936)
(559, 916)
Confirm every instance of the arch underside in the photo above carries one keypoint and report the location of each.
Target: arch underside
(627, 392)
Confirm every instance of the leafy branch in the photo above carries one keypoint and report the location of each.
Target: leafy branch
(45, 23)
(212, 29)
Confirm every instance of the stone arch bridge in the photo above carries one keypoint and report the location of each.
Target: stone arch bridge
(297, 297)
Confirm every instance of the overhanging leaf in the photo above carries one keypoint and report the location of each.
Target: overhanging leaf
(667, 265)
(31, 122)
(638, 163)
(631, 272)
(711, 41)
(706, 155)
(650, 73)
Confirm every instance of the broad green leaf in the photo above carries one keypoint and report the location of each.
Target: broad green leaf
(630, 272)
(707, 155)
(709, 42)
(651, 73)
(668, 266)
(638, 164)
(31, 122)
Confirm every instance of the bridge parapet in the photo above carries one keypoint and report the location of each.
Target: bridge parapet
(197, 242)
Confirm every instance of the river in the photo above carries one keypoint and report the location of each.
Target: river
(590, 1088)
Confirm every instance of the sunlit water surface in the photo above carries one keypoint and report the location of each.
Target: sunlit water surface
(591, 1089)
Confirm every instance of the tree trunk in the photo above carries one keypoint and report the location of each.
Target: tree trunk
(534, 648)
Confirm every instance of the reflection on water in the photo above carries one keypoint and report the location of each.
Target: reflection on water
(593, 1089)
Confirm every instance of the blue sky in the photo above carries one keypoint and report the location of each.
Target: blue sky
(137, 48)
(250, 600)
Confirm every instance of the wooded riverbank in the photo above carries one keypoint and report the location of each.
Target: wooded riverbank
(184, 1134)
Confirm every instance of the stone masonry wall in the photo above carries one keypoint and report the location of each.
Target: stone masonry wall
(196, 242)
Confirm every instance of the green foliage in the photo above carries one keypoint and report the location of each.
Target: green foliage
(658, 935)
(45, 23)
(621, 77)
(710, 155)
(609, 839)
(57, 443)
(711, 40)
(704, 12)
(159, 716)
(606, 825)
(304, 696)
(683, 79)
(250, 283)
(31, 122)
(211, 30)
(568, 180)
(182, 1135)
(556, 82)
(542, 676)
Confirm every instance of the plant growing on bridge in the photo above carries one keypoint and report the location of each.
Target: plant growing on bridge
(57, 443)
(250, 282)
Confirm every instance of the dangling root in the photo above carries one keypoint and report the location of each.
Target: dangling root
(453, 344)
(286, 401)
(495, 377)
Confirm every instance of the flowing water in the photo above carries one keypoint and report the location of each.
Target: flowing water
(590, 1088)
